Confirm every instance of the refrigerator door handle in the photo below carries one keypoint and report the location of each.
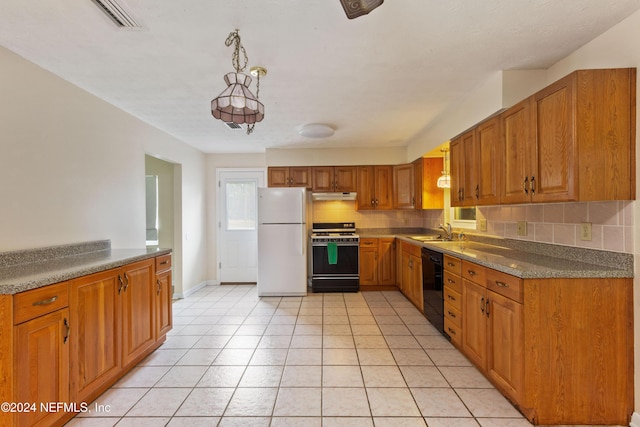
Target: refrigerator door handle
(303, 243)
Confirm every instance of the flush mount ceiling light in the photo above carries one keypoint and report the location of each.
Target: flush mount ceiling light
(316, 130)
(236, 104)
(445, 179)
(355, 8)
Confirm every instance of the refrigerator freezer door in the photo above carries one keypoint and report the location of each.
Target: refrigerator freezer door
(281, 205)
(282, 260)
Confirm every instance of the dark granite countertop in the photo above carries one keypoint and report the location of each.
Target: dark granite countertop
(29, 269)
(522, 259)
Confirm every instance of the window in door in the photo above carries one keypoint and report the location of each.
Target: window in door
(241, 205)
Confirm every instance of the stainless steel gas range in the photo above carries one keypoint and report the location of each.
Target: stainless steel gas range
(335, 262)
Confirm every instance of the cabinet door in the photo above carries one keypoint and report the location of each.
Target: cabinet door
(406, 275)
(95, 336)
(554, 172)
(431, 196)
(518, 138)
(505, 350)
(417, 183)
(403, 194)
(416, 282)
(368, 261)
(470, 190)
(386, 261)
(300, 177)
(383, 187)
(322, 178)
(278, 177)
(345, 178)
(365, 197)
(457, 171)
(138, 315)
(474, 321)
(164, 294)
(488, 160)
(42, 366)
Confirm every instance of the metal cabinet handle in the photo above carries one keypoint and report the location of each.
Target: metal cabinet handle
(477, 191)
(450, 264)
(471, 272)
(487, 307)
(164, 262)
(524, 185)
(451, 314)
(451, 331)
(126, 281)
(502, 284)
(159, 287)
(121, 284)
(482, 305)
(373, 202)
(66, 332)
(533, 185)
(451, 281)
(46, 301)
(452, 298)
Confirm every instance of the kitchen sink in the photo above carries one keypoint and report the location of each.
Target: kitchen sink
(427, 238)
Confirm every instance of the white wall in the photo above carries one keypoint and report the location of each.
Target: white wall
(72, 169)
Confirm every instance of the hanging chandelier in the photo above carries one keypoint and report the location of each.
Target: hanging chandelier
(445, 179)
(236, 104)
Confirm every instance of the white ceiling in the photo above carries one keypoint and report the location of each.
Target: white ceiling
(379, 79)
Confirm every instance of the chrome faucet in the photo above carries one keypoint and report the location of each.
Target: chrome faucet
(447, 231)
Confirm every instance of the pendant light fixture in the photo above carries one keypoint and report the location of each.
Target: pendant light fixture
(445, 179)
(355, 8)
(236, 104)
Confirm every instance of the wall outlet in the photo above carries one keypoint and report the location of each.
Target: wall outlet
(585, 231)
(522, 228)
(482, 224)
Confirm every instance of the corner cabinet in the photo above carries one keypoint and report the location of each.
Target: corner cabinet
(403, 187)
(573, 140)
(557, 348)
(426, 174)
(70, 341)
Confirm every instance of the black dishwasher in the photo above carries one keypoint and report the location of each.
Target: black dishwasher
(432, 288)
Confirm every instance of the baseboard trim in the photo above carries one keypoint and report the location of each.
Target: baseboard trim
(194, 289)
(635, 420)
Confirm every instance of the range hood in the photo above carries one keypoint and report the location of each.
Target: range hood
(334, 196)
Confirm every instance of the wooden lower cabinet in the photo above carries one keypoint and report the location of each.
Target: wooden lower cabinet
(560, 349)
(41, 368)
(164, 295)
(70, 341)
(377, 262)
(410, 272)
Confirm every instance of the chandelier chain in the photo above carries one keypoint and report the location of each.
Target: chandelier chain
(234, 38)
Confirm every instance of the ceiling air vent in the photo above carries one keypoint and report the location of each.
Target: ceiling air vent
(232, 125)
(117, 13)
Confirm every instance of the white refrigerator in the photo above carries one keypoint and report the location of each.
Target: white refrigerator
(283, 227)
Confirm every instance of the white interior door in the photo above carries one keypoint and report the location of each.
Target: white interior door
(238, 225)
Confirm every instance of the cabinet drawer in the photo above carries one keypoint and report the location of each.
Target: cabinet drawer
(452, 298)
(163, 262)
(474, 272)
(453, 314)
(452, 264)
(505, 284)
(454, 331)
(368, 242)
(37, 302)
(452, 281)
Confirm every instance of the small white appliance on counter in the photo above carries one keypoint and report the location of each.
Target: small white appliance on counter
(283, 230)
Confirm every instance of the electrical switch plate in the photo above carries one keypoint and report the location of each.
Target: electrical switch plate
(585, 231)
(522, 228)
(482, 224)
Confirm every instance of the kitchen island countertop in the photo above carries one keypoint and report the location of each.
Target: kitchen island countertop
(29, 269)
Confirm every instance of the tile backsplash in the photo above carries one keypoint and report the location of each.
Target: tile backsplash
(559, 223)
(555, 223)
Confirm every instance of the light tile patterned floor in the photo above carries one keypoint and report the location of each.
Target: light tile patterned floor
(325, 360)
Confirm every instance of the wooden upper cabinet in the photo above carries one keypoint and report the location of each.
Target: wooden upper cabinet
(289, 177)
(426, 174)
(457, 165)
(488, 154)
(518, 134)
(573, 140)
(374, 187)
(334, 178)
(403, 189)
